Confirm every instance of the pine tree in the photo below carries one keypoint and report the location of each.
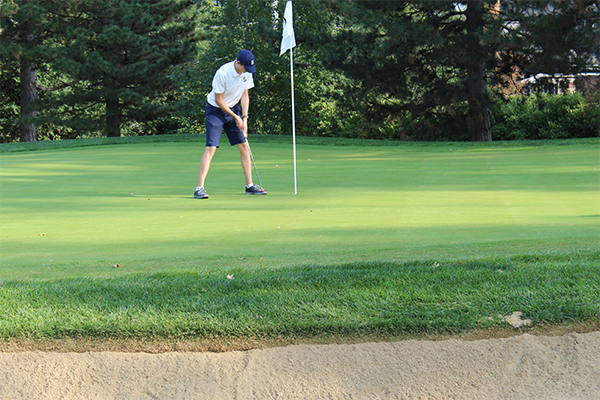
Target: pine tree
(9, 100)
(477, 54)
(431, 60)
(25, 27)
(118, 53)
(421, 59)
(552, 36)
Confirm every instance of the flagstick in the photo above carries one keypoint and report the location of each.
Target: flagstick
(293, 120)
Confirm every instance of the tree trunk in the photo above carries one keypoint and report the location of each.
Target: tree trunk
(28, 97)
(479, 117)
(113, 112)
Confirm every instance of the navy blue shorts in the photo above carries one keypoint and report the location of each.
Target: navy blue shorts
(216, 121)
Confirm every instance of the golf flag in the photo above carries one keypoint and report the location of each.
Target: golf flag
(288, 42)
(289, 39)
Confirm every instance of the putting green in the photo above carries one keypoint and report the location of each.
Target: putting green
(80, 211)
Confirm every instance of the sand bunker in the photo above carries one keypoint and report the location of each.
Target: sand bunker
(520, 367)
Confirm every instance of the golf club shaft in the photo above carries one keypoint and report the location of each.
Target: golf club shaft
(252, 157)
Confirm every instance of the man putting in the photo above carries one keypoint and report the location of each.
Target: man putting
(230, 87)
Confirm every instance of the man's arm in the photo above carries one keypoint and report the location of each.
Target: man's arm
(245, 103)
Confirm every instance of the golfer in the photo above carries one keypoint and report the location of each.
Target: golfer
(227, 109)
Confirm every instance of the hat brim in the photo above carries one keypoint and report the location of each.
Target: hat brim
(250, 68)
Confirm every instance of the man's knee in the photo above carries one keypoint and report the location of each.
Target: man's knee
(243, 147)
(210, 150)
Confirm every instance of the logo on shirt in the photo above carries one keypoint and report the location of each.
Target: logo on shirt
(244, 79)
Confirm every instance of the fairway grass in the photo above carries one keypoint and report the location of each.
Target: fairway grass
(107, 241)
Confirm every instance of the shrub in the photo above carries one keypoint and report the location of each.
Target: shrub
(544, 116)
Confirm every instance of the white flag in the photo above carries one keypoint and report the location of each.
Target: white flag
(289, 39)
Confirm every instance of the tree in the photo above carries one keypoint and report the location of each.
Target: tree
(118, 53)
(476, 56)
(428, 62)
(552, 36)
(9, 100)
(23, 30)
(422, 61)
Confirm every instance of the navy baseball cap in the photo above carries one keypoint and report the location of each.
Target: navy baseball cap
(246, 58)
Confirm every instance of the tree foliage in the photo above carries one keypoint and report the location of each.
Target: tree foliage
(9, 100)
(102, 57)
(24, 28)
(551, 36)
(405, 69)
(427, 61)
(414, 60)
(118, 53)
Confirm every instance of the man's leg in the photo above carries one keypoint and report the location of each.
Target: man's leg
(214, 119)
(247, 167)
(246, 162)
(205, 164)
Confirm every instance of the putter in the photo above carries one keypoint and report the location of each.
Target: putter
(252, 157)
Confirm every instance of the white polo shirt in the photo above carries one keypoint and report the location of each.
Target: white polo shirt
(231, 84)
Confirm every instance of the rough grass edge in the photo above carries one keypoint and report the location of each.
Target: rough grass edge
(221, 345)
(284, 139)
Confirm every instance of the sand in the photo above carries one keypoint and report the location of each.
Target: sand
(519, 367)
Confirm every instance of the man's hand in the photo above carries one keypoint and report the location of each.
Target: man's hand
(223, 106)
(244, 127)
(239, 122)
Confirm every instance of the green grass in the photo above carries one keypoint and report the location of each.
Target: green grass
(379, 298)
(514, 227)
